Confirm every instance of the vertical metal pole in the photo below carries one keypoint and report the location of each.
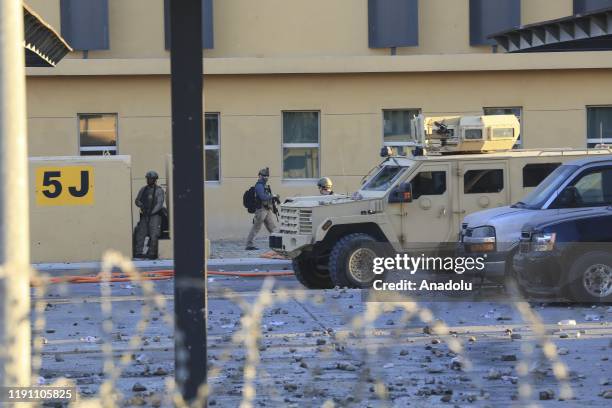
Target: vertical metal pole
(14, 227)
(188, 195)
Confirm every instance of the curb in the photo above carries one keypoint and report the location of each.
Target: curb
(224, 263)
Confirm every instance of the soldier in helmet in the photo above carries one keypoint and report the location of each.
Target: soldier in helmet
(264, 214)
(325, 186)
(150, 201)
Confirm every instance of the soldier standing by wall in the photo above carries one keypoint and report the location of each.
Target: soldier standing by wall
(150, 200)
(265, 204)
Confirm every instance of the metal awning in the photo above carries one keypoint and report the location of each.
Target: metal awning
(581, 32)
(44, 47)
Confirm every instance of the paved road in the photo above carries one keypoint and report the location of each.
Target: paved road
(312, 352)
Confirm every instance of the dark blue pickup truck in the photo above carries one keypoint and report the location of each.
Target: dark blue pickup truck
(568, 255)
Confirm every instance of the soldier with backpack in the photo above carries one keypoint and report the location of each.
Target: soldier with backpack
(260, 201)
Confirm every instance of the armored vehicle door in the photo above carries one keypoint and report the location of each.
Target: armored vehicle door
(427, 219)
(482, 185)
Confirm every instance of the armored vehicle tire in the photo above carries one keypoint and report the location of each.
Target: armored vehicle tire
(590, 278)
(309, 275)
(351, 259)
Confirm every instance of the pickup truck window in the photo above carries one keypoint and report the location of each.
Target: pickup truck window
(483, 181)
(429, 183)
(542, 193)
(594, 188)
(534, 173)
(384, 178)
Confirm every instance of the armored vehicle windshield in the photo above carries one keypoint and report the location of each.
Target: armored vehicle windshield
(384, 179)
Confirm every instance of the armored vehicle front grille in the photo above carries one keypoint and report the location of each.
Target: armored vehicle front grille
(295, 221)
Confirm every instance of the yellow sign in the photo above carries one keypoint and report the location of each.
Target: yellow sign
(65, 185)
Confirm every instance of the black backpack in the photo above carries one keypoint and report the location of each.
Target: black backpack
(249, 200)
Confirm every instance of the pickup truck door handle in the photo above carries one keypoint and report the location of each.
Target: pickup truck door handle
(442, 212)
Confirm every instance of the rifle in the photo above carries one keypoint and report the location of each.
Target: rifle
(275, 200)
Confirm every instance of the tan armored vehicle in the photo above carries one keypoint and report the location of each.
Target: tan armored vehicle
(410, 203)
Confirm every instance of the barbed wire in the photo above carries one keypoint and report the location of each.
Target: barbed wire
(359, 342)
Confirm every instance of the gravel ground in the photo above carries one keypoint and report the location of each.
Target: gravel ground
(226, 248)
(311, 354)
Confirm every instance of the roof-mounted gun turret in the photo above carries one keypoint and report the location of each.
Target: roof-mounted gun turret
(466, 134)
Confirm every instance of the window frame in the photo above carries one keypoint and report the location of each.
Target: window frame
(300, 145)
(503, 181)
(589, 141)
(216, 147)
(586, 173)
(397, 144)
(520, 143)
(416, 195)
(465, 131)
(102, 149)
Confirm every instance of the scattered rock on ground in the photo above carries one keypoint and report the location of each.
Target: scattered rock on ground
(547, 395)
(138, 387)
(508, 357)
(493, 374)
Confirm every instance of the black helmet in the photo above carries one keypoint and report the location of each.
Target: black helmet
(152, 174)
(264, 172)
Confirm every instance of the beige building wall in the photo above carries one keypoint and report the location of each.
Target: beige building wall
(554, 115)
(272, 28)
(534, 11)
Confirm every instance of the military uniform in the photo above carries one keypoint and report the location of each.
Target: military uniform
(150, 200)
(264, 215)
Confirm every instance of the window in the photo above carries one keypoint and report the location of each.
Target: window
(516, 111)
(301, 145)
(84, 24)
(97, 134)
(483, 181)
(472, 134)
(211, 147)
(584, 6)
(540, 195)
(503, 133)
(429, 183)
(397, 129)
(489, 17)
(534, 173)
(385, 178)
(594, 188)
(393, 23)
(599, 125)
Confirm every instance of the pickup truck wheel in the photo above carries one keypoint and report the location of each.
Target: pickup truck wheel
(309, 275)
(351, 261)
(590, 278)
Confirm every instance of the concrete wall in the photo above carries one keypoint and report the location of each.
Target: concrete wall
(554, 115)
(71, 229)
(265, 28)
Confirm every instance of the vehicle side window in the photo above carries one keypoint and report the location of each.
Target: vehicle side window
(429, 183)
(534, 173)
(483, 181)
(594, 188)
